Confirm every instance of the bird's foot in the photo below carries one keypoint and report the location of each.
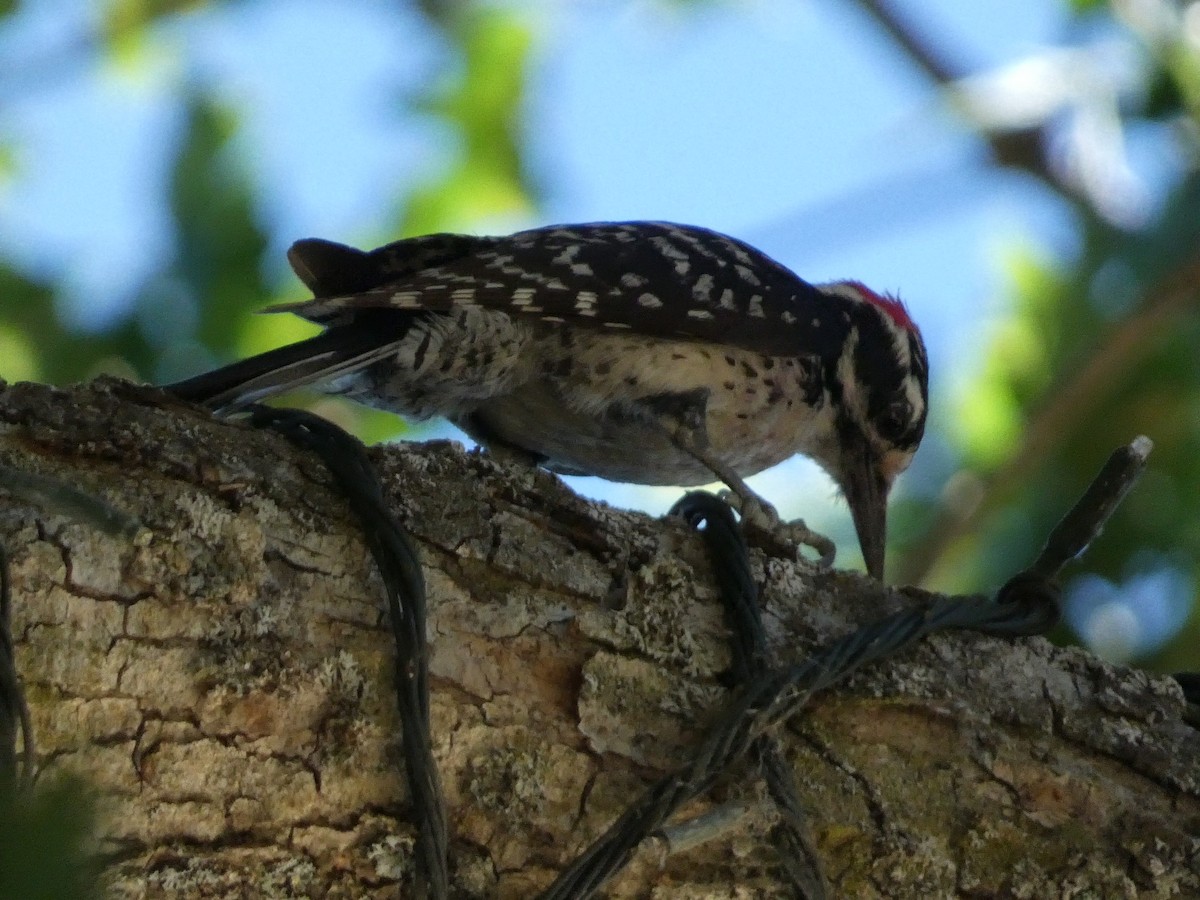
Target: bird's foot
(763, 526)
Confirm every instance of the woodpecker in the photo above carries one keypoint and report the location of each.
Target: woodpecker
(643, 352)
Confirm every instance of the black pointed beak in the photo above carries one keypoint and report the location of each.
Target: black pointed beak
(866, 492)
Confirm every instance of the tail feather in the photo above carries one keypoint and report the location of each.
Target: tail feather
(336, 352)
(330, 269)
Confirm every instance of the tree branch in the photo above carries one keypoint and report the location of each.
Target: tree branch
(223, 680)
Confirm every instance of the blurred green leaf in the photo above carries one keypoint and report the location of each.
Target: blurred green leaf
(124, 21)
(60, 356)
(990, 420)
(1164, 99)
(219, 243)
(18, 357)
(9, 165)
(42, 840)
(483, 104)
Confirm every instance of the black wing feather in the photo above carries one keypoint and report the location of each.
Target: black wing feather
(656, 278)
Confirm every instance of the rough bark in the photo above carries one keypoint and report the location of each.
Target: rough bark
(223, 680)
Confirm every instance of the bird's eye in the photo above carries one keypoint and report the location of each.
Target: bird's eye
(895, 421)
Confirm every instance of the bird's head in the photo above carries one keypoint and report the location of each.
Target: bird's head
(880, 392)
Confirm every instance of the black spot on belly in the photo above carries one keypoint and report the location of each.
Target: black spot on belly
(685, 407)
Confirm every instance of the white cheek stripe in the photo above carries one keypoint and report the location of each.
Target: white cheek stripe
(853, 401)
(912, 391)
(900, 342)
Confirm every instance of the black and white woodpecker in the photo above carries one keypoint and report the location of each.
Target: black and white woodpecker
(642, 352)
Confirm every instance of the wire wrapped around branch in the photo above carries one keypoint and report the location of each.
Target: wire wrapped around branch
(1027, 604)
(748, 647)
(400, 568)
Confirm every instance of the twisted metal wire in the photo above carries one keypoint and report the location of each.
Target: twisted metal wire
(748, 646)
(399, 565)
(1026, 605)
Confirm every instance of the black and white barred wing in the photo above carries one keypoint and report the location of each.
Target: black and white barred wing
(655, 279)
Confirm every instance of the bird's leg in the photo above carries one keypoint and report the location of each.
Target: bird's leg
(759, 517)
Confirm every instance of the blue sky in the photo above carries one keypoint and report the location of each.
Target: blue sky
(794, 125)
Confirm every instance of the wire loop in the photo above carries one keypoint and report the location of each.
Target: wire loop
(1027, 604)
(399, 565)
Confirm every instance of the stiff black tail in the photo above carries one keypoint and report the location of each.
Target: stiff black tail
(338, 351)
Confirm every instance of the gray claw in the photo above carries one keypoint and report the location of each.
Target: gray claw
(758, 515)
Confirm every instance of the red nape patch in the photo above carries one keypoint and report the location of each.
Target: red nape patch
(889, 304)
